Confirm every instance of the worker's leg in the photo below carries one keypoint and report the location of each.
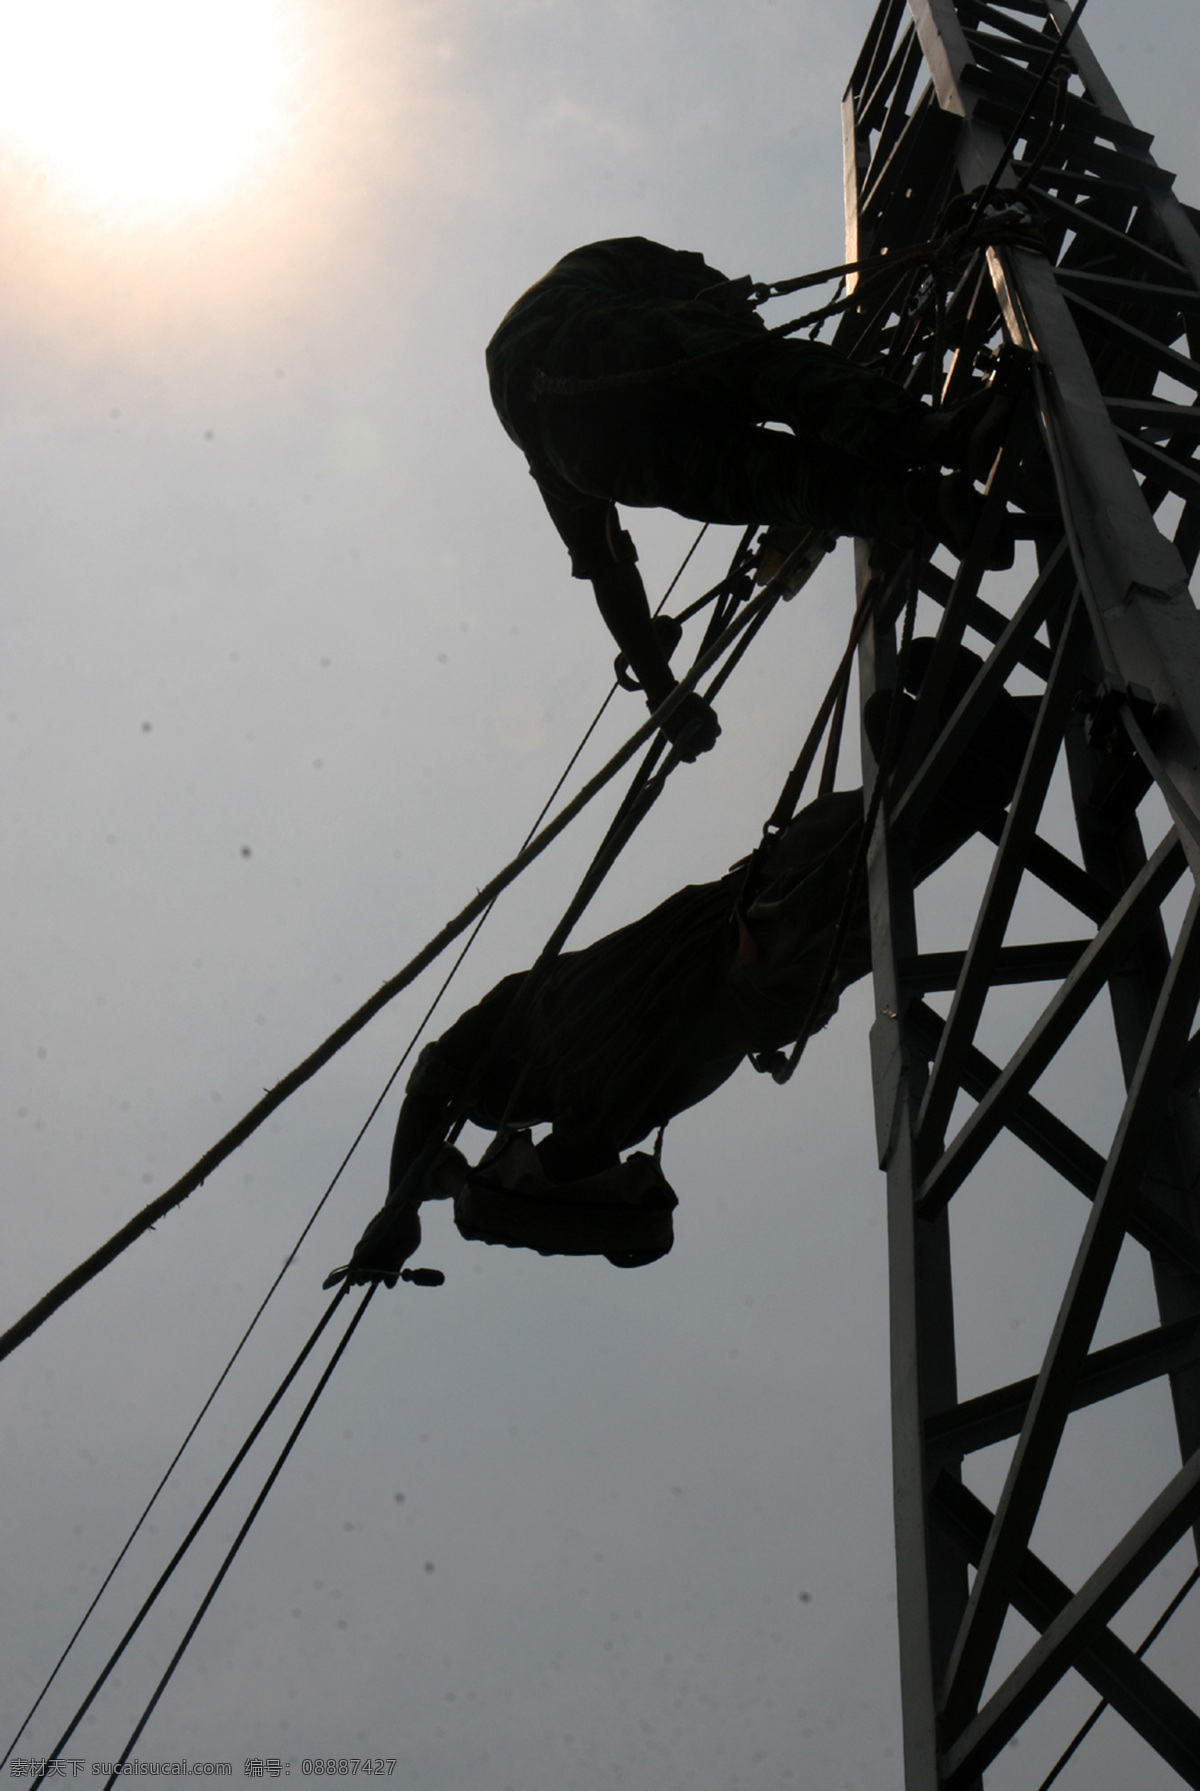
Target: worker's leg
(719, 469)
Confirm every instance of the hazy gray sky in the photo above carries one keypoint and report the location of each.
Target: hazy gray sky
(291, 658)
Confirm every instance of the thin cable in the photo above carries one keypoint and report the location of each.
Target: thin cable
(238, 1540)
(1014, 135)
(634, 807)
(784, 1068)
(181, 1551)
(1102, 1706)
(254, 1118)
(358, 1138)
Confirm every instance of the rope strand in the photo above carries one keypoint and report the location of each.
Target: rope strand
(238, 1540)
(186, 1544)
(261, 1111)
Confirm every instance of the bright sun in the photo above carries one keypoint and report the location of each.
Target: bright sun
(149, 107)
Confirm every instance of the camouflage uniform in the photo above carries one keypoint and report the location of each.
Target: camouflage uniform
(653, 1018)
(695, 441)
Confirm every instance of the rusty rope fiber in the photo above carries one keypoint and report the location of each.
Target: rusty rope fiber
(238, 1540)
(303, 1072)
(290, 1258)
(177, 1557)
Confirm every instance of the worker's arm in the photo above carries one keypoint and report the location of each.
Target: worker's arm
(621, 598)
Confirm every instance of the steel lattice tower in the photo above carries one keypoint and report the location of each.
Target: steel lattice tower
(1100, 478)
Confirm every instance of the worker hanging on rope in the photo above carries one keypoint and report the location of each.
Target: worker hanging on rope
(627, 1033)
(637, 374)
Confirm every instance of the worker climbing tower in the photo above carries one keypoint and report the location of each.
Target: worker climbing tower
(1056, 251)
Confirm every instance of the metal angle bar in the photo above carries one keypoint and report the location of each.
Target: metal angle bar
(1013, 28)
(945, 48)
(936, 680)
(1000, 76)
(889, 83)
(1032, 9)
(1087, 224)
(1076, 148)
(1103, 957)
(1118, 543)
(983, 619)
(1082, 154)
(1133, 1689)
(1012, 58)
(1004, 880)
(1074, 1629)
(991, 1417)
(1167, 360)
(1145, 294)
(1045, 962)
(1181, 476)
(1008, 36)
(1084, 185)
(1156, 416)
(1033, 1458)
(1067, 879)
(896, 118)
(897, 156)
(1059, 873)
(856, 241)
(931, 1588)
(961, 727)
(1064, 1151)
(1094, 79)
(879, 37)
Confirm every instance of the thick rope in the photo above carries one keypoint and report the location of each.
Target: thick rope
(357, 1140)
(261, 1111)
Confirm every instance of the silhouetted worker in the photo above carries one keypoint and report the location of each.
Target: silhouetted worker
(695, 441)
(625, 1034)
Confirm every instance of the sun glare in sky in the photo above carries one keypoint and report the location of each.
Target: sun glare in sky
(146, 107)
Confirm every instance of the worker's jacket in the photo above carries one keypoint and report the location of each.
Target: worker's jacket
(654, 1017)
(620, 306)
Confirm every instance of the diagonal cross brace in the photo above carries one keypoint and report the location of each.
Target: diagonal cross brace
(1078, 1631)
(1132, 1688)
(1003, 883)
(1033, 1458)
(1105, 954)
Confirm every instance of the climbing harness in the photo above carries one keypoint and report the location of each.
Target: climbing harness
(734, 639)
(647, 786)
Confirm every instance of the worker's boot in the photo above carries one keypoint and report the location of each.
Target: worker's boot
(949, 508)
(968, 436)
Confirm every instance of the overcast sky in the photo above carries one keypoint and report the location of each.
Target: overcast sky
(291, 658)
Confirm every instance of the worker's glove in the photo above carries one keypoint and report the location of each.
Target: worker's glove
(692, 728)
(383, 1249)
